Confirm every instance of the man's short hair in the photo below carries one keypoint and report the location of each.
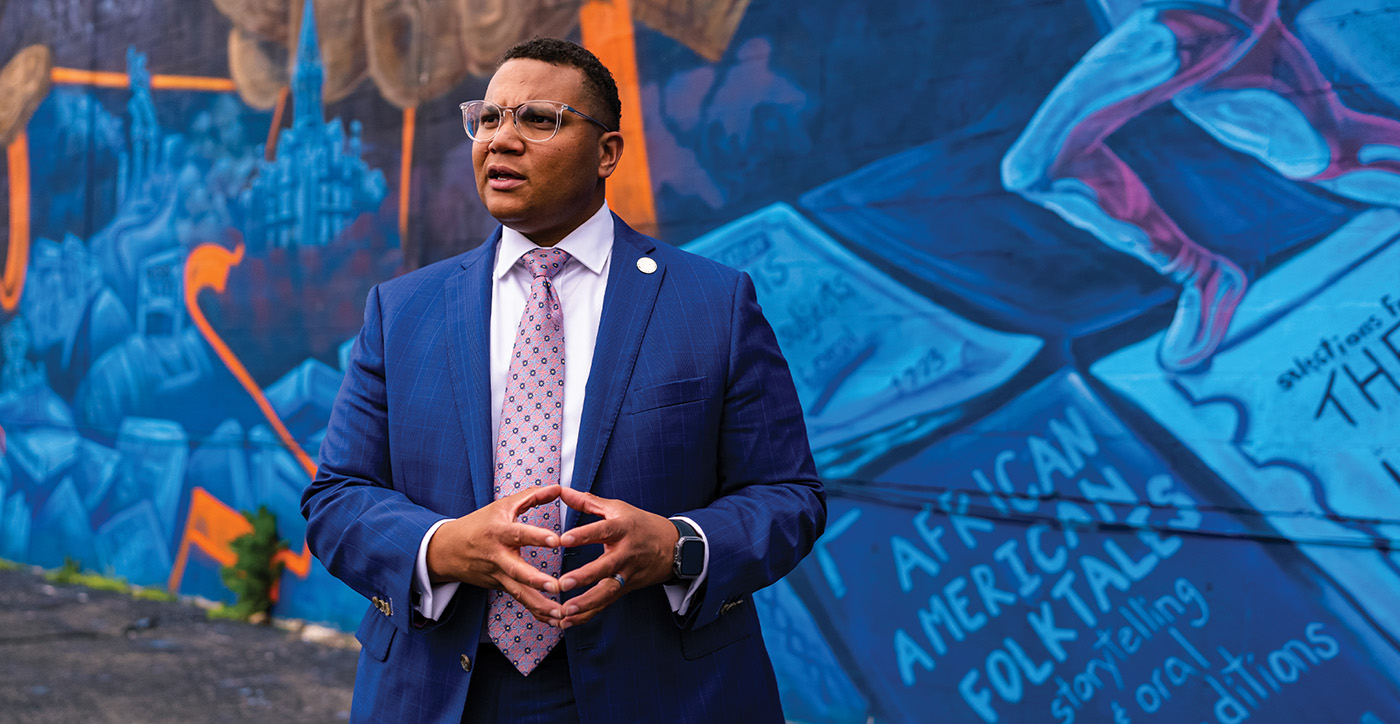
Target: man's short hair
(598, 81)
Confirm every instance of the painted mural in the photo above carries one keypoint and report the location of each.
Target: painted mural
(1093, 308)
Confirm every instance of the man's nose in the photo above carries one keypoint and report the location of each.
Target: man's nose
(507, 136)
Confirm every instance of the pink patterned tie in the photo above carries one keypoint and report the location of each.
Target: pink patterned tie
(528, 451)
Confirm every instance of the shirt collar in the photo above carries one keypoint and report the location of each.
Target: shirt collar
(589, 244)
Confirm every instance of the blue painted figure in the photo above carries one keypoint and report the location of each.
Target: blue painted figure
(18, 372)
(1232, 68)
(145, 131)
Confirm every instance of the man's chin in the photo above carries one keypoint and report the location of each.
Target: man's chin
(506, 210)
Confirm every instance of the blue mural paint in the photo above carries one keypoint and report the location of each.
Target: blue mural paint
(109, 391)
(130, 545)
(219, 464)
(875, 364)
(811, 681)
(1312, 432)
(1041, 564)
(937, 213)
(61, 529)
(318, 183)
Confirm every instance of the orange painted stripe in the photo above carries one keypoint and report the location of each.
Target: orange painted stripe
(17, 257)
(101, 78)
(270, 148)
(297, 563)
(112, 79)
(608, 32)
(192, 82)
(207, 267)
(410, 115)
(211, 527)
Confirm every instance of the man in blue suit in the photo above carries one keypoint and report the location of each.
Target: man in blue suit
(666, 433)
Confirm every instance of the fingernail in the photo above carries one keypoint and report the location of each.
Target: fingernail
(552, 586)
(571, 610)
(568, 540)
(555, 615)
(567, 584)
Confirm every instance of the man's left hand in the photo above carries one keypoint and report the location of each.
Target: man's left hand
(637, 545)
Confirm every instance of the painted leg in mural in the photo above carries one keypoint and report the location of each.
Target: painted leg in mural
(1060, 160)
(1276, 105)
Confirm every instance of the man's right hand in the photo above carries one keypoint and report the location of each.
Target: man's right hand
(482, 549)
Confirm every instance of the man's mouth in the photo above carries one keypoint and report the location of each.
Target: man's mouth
(503, 178)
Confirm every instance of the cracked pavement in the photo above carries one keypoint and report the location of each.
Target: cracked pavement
(72, 654)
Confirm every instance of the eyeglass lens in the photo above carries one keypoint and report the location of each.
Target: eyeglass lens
(536, 121)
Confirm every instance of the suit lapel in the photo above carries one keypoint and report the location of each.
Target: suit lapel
(468, 301)
(627, 307)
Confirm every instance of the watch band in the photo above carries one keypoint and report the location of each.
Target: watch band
(683, 528)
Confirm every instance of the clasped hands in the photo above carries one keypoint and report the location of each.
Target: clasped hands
(483, 549)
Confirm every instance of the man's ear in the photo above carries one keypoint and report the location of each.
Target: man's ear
(609, 153)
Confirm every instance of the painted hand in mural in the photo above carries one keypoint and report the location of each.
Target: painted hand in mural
(449, 41)
(415, 51)
(1232, 68)
(482, 549)
(24, 82)
(637, 545)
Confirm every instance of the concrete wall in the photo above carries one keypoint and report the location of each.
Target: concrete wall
(1093, 309)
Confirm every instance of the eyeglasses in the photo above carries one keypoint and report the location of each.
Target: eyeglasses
(536, 121)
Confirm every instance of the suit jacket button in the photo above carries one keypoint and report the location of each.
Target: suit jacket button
(466, 663)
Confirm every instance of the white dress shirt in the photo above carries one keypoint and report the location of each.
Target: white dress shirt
(581, 286)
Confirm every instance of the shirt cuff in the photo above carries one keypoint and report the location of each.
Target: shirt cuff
(432, 598)
(679, 594)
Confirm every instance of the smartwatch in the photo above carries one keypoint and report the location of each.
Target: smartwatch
(689, 557)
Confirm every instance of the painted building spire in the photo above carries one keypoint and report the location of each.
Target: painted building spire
(307, 75)
(317, 184)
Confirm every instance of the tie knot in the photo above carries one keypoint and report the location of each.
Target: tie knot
(545, 262)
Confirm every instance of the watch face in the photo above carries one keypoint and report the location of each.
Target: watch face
(692, 558)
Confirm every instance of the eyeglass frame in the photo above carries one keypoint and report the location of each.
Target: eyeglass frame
(515, 119)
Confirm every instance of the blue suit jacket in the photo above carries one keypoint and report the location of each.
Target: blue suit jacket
(689, 409)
